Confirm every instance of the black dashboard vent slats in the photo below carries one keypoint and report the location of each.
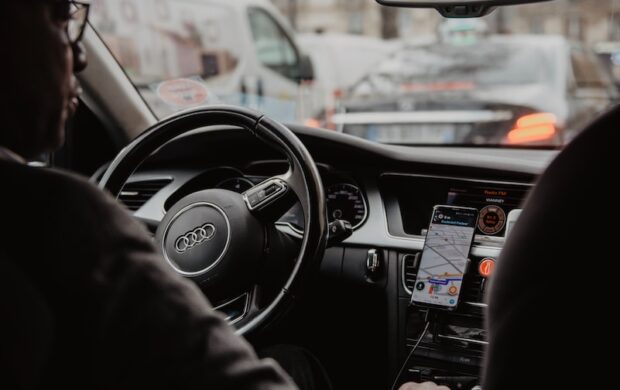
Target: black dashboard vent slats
(473, 284)
(410, 268)
(135, 195)
(472, 296)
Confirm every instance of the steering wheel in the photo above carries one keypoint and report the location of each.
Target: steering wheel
(224, 241)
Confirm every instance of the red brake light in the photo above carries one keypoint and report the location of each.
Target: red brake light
(312, 122)
(438, 86)
(533, 128)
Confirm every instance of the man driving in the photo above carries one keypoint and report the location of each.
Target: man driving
(87, 301)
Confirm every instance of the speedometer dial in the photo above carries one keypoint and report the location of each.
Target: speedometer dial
(346, 202)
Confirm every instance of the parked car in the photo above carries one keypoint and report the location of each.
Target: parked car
(498, 90)
(340, 61)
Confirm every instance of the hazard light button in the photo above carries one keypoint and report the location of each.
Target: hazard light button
(486, 266)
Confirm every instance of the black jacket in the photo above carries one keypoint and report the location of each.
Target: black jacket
(86, 300)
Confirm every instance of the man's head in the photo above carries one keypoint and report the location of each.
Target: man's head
(38, 91)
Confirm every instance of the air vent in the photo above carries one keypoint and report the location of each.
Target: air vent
(473, 286)
(410, 269)
(472, 296)
(135, 195)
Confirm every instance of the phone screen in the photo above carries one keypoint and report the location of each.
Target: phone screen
(444, 258)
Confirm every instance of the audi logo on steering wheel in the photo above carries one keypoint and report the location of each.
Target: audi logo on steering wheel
(194, 238)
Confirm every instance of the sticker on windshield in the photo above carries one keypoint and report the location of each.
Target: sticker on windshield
(182, 92)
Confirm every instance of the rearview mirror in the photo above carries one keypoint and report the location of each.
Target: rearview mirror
(457, 8)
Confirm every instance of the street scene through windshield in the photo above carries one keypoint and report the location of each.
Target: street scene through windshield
(528, 76)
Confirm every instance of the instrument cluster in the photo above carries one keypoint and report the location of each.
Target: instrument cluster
(345, 199)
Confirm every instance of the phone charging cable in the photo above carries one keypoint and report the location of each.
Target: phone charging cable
(400, 372)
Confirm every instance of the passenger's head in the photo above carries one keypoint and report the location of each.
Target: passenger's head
(40, 53)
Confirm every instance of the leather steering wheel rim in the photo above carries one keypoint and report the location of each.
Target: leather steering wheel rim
(266, 130)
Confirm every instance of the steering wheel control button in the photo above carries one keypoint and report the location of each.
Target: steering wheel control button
(486, 266)
(264, 193)
(253, 200)
(196, 239)
(272, 188)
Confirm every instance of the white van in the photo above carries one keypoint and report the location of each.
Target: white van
(185, 53)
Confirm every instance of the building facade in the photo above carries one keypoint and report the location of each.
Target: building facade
(584, 20)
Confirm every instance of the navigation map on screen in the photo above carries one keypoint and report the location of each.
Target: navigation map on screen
(444, 259)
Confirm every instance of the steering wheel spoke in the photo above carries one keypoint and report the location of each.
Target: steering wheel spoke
(273, 197)
(150, 223)
(236, 309)
(243, 307)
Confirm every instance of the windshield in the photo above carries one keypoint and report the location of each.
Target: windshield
(526, 76)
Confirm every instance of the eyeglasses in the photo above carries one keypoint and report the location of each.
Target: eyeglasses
(78, 19)
(74, 14)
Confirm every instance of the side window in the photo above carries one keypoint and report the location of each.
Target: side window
(273, 47)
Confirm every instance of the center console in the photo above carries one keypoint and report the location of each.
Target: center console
(450, 352)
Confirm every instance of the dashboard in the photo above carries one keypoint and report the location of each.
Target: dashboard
(414, 196)
(344, 197)
(387, 193)
(345, 200)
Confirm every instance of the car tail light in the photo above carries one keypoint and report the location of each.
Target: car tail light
(533, 128)
(312, 122)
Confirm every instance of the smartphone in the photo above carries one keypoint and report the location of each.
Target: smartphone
(445, 257)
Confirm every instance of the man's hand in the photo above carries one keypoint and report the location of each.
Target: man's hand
(422, 386)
